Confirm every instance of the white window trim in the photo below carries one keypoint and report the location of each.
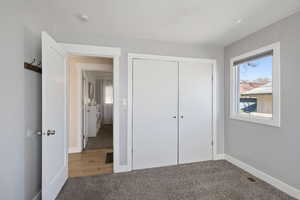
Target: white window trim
(234, 88)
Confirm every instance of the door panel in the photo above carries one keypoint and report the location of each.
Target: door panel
(84, 112)
(155, 104)
(54, 144)
(195, 112)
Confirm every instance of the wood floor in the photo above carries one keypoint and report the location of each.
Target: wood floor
(89, 163)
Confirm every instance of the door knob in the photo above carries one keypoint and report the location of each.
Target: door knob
(50, 132)
(174, 117)
(181, 116)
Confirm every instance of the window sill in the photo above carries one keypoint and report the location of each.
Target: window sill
(257, 120)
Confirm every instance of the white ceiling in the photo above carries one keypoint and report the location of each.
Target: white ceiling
(178, 21)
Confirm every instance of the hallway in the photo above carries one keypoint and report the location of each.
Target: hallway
(103, 140)
(96, 158)
(89, 163)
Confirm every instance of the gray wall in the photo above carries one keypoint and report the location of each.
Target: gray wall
(32, 104)
(11, 102)
(32, 116)
(149, 47)
(274, 151)
(33, 123)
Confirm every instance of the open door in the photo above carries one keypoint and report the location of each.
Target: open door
(54, 122)
(84, 131)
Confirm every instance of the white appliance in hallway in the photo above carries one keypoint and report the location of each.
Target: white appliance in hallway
(172, 112)
(94, 120)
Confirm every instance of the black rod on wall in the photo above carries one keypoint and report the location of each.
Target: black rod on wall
(32, 67)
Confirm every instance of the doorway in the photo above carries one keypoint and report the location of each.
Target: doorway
(91, 116)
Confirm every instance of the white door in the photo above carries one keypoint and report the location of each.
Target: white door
(83, 112)
(54, 140)
(155, 104)
(195, 112)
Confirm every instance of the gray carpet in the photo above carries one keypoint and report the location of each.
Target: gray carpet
(104, 139)
(211, 180)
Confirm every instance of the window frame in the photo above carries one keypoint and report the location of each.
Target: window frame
(235, 88)
(106, 92)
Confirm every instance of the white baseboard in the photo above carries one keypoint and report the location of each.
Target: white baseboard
(38, 196)
(294, 192)
(219, 157)
(121, 168)
(74, 149)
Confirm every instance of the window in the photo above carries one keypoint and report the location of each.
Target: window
(255, 86)
(108, 93)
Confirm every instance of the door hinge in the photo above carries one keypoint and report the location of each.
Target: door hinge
(212, 143)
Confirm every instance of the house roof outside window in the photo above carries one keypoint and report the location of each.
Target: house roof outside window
(264, 89)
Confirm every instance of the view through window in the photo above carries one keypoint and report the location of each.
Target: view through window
(108, 93)
(255, 86)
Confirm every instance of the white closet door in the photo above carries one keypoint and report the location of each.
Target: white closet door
(155, 105)
(195, 110)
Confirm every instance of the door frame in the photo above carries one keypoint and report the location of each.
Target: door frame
(83, 109)
(103, 52)
(213, 62)
(79, 78)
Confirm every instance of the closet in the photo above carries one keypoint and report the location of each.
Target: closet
(171, 112)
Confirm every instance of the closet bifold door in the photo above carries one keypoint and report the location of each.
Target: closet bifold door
(195, 112)
(155, 113)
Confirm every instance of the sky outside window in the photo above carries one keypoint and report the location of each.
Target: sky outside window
(257, 69)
